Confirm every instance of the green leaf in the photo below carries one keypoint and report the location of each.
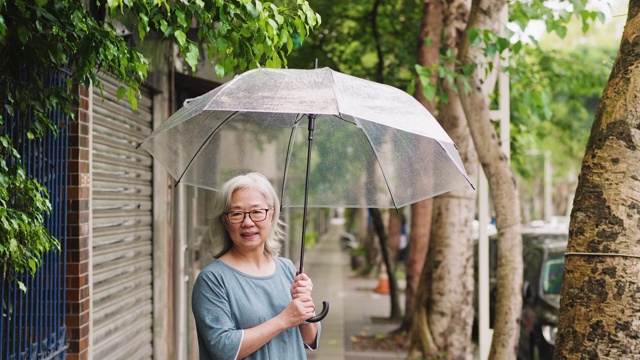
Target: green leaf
(192, 56)
(22, 286)
(181, 37)
(289, 44)
(411, 88)
(429, 91)
(32, 266)
(180, 16)
(222, 44)
(502, 44)
(143, 26)
(164, 26)
(468, 69)
(279, 18)
(311, 17)
(23, 34)
(517, 47)
(474, 36)
(219, 70)
(121, 92)
(490, 50)
(251, 8)
(131, 97)
(274, 25)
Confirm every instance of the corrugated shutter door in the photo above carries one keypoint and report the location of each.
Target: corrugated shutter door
(122, 227)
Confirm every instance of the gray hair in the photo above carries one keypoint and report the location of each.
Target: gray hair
(220, 239)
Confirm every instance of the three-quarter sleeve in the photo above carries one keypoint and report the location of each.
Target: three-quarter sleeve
(214, 322)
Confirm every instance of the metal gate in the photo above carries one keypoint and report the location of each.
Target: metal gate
(122, 304)
(32, 323)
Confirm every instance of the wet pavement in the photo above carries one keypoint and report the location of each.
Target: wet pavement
(355, 308)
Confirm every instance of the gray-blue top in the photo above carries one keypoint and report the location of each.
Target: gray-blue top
(225, 301)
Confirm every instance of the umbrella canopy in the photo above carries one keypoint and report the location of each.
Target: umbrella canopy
(374, 145)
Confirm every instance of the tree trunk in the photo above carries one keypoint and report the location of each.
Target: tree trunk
(378, 225)
(394, 231)
(448, 273)
(421, 212)
(600, 306)
(485, 15)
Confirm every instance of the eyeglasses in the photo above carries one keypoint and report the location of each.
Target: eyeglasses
(257, 215)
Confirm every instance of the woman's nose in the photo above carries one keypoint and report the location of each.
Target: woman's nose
(248, 219)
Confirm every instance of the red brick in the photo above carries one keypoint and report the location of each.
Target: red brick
(77, 242)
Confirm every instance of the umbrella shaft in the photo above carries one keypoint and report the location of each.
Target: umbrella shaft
(306, 191)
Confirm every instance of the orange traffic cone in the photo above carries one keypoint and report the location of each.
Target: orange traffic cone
(383, 281)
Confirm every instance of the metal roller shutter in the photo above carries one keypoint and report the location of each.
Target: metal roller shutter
(122, 220)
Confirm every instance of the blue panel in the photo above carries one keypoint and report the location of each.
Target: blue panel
(32, 325)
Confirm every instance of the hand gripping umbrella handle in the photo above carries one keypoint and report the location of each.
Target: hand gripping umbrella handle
(323, 313)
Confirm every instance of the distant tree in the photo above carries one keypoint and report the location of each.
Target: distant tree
(443, 319)
(553, 104)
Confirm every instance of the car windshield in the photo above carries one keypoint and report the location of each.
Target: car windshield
(553, 269)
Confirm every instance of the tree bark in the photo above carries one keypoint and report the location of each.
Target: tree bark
(448, 273)
(600, 302)
(394, 231)
(421, 212)
(451, 302)
(485, 15)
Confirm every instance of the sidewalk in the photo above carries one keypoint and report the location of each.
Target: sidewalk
(354, 306)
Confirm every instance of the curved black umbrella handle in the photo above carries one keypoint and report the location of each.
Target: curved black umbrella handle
(323, 313)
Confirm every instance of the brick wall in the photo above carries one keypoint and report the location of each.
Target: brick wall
(78, 240)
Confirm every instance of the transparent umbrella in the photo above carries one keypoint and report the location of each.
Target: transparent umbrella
(325, 139)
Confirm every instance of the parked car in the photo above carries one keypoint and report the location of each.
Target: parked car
(543, 261)
(543, 266)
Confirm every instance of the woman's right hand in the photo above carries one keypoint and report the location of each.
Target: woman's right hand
(298, 311)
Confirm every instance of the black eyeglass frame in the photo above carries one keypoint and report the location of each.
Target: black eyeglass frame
(244, 215)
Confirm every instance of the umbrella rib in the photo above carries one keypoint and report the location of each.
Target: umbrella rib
(287, 158)
(454, 163)
(203, 144)
(384, 176)
(335, 94)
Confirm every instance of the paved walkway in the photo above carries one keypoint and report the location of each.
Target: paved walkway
(354, 307)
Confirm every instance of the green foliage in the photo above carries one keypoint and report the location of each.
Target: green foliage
(556, 16)
(42, 35)
(553, 102)
(444, 73)
(239, 34)
(355, 35)
(23, 237)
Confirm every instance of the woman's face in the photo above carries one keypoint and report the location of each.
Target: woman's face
(248, 234)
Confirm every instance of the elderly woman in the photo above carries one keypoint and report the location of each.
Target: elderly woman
(249, 303)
